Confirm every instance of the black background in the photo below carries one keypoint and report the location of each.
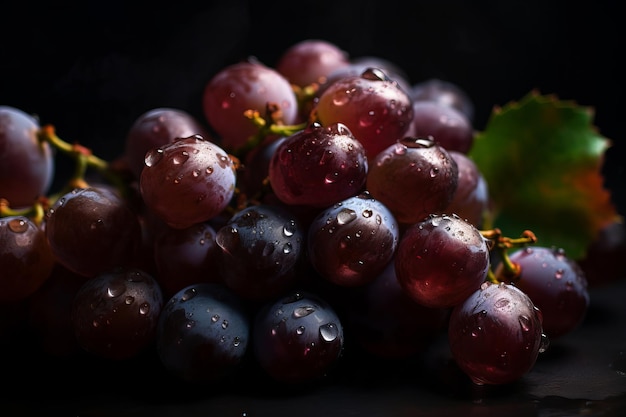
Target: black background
(92, 69)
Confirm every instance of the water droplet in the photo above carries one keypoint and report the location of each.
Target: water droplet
(188, 294)
(116, 289)
(346, 215)
(236, 343)
(287, 248)
(329, 332)
(153, 156)
(224, 324)
(367, 213)
(303, 311)
(129, 300)
(144, 309)
(559, 273)
(18, 225)
(215, 318)
(300, 330)
(501, 303)
(524, 322)
(544, 344)
(180, 158)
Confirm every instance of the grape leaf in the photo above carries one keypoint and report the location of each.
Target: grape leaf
(542, 160)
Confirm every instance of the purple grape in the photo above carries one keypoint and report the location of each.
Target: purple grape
(496, 334)
(298, 338)
(440, 261)
(237, 88)
(92, 230)
(26, 260)
(350, 243)
(413, 178)
(443, 92)
(318, 166)
(155, 128)
(188, 181)
(26, 164)
(115, 314)
(450, 128)
(258, 250)
(203, 333)
(373, 106)
(556, 284)
(471, 198)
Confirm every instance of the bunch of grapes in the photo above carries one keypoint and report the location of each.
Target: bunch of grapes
(322, 200)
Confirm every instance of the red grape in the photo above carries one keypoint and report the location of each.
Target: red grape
(158, 127)
(555, 283)
(440, 261)
(372, 105)
(496, 334)
(413, 178)
(26, 260)
(187, 181)
(351, 242)
(471, 198)
(318, 166)
(246, 85)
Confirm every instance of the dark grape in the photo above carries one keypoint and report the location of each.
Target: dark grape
(91, 230)
(26, 260)
(203, 333)
(26, 164)
(372, 105)
(115, 314)
(603, 262)
(471, 198)
(386, 322)
(297, 338)
(49, 313)
(450, 128)
(413, 178)
(155, 128)
(256, 168)
(443, 92)
(496, 334)
(318, 166)
(190, 180)
(555, 283)
(246, 85)
(185, 256)
(440, 261)
(260, 247)
(350, 243)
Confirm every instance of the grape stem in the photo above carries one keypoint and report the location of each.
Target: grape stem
(511, 270)
(34, 212)
(84, 159)
(270, 124)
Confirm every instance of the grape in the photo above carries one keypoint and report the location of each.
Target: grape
(372, 105)
(26, 260)
(260, 247)
(297, 338)
(310, 61)
(555, 283)
(49, 313)
(440, 261)
(414, 178)
(318, 166)
(115, 314)
(91, 230)
(26, 163)
(155, 128)
(443, 92)
(496, 334)
(246, 85)
(450, 128)
(190, 180)
(471, 198)
(603, 262)
(256, 167)
(388, 323)
(351, 242)
(203, 333)
(185, 256)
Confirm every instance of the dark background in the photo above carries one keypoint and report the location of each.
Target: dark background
(92, 69)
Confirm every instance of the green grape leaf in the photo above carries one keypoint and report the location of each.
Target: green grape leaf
(542, 158)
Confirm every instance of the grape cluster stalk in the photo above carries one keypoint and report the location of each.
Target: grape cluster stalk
(324, 205)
